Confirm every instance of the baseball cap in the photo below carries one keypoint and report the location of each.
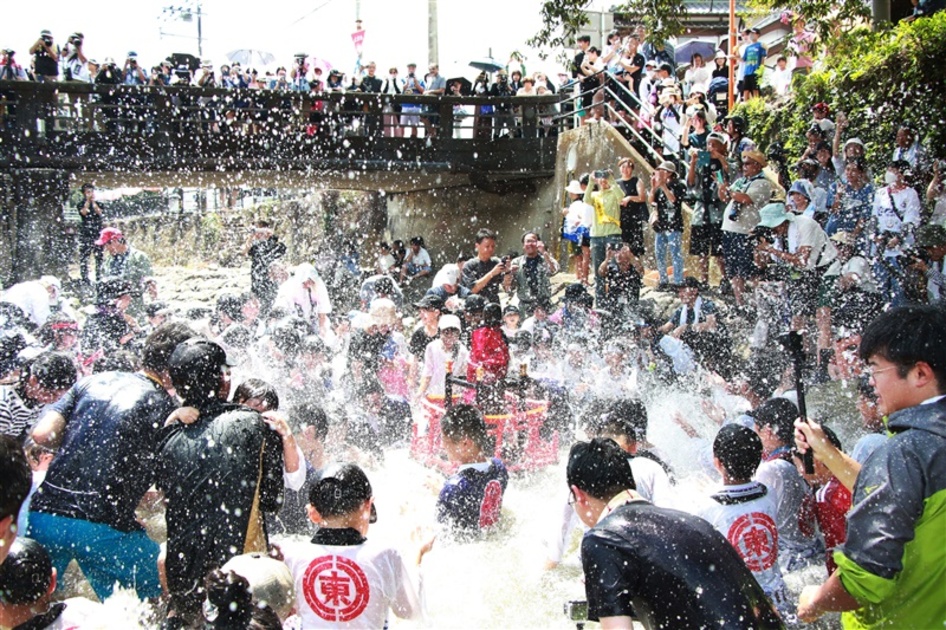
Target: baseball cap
(474, 303)
(449, 321)
(270, 581)
(198, 353)
(511, 308)
(340, 490)
(430, 303)
(717, 136)
(108, 235)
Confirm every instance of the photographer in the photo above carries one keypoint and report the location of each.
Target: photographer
(931, 246)
(622, 273)
(109, 74)
(74, 62)
(299, 72)
(132, 72)
(10, 70)
(529, 274)
(708, 170)
(745, 197)
(802, 253)
(666, 218)
(605, 197)
(504, 123)
(45, 58)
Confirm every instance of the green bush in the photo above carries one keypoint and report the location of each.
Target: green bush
(878, 79)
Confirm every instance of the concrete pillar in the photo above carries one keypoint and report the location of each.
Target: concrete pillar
(33, 242)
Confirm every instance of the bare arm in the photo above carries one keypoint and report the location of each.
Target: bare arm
(810, 435)
(49, 430)
(829, 597)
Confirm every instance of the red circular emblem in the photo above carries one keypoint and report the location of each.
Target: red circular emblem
(756, 539)
(335, 588)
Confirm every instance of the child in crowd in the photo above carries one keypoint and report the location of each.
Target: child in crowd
(489, 355)
(744, 510)
(798, 543)
(341, 578)
(438, 353)
(832, 501)
(471, 500)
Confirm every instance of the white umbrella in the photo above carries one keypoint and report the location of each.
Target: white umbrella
(250, 58)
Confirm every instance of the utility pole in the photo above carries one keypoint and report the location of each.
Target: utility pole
(433, 45)
(880, 12)
(200, 34)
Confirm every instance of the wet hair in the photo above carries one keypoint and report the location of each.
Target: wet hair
(739, 450)
(287, 338)
(117, 361)
(417, 240)
(492, 314)
(313, 344)
(907, 335)
(778, 413)
(466, 421)
(161, 343)
(229, 597)
(15, 477)
(625, 417)
(87, 186)
(600, 468)
(57, 323)
(309, 414)
(263, 223)
(257, 388)
(230, 305)
(53, 370)
(384, 286)
(26, 574)
(484, 234)
(238, 337)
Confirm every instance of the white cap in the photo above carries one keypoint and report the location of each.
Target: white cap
(449, 321)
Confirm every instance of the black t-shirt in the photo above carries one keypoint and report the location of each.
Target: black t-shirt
(106, 461)
(418, 343)
(669, 569)
(474, 269)
(638, 61)
(633, 216)
(670, 215)
(623, 286)
(262, 255)
(44, 65)
(92, 223)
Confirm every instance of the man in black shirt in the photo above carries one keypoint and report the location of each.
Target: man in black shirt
(484, 274)
(90, 213)
(372, 85)
(264, 248)
(667, 568)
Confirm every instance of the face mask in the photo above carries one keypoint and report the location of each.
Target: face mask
(651, 73)
(890, 178)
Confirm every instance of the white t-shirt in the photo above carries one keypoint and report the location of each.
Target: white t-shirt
(760, 191)
(420, 259)
(32, 298)
(889, 219)
(795, 516)
(435, 365)
(351, 586)
(806, 232)
(746, 518)
(304, 302)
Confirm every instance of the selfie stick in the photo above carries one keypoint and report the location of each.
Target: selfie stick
(792, 341)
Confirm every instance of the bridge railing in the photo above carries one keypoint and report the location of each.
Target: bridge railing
(33, 112)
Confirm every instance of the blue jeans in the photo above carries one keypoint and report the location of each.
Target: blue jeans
(673, 240)
(599, 249)
(105, 555)
(887, 272)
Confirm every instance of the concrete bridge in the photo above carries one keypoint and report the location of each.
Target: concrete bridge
(455, 176)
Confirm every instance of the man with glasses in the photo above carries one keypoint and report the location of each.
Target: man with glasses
(892, 567)
(745, 197)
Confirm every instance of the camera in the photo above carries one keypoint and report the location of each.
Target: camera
(505, 260)
(47, 40)
(764, 235)
(576, 610)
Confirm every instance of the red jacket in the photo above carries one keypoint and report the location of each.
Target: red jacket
(489, 350)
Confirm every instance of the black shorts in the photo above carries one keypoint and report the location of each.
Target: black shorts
(750, 83)
(586, 241)
(706, 240)
(738, 250)
(803, 293)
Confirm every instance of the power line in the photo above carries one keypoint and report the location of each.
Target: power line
(327, 2)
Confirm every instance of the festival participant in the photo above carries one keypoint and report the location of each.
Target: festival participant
(105, 428)
(111, 327)
(664, 567)
(43, 380)
(931, 242)
(484, 274)
(27, 582)
(127, 263)
(306, 295)
(744, 511)
(795, 519)
(36, 298)
(489, 357)
(340, 576)
(14, 488)
(91, 216)
(696, 323)
(832, 501)
(893, 564)
(446, 286)
(443, 349)
(529, 275)
(471, 500)
(220, 475)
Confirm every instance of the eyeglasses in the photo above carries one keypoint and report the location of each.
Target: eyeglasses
(870, 371)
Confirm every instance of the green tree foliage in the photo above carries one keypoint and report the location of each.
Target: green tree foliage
(879, 80)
